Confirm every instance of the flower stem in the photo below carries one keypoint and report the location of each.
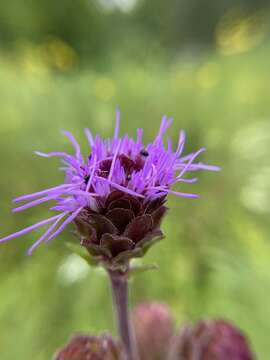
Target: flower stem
(119, 284)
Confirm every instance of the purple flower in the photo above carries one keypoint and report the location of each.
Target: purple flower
(116, 194)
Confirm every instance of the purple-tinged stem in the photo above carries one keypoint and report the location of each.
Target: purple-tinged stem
(119, 284)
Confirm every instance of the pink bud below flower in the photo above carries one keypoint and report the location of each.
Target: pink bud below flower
(154, 329)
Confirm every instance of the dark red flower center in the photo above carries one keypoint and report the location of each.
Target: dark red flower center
(129, 165)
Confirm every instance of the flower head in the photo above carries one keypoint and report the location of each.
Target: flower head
(211, 340)
(116, 195)
(82, 347)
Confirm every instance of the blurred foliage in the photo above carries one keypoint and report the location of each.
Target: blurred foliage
(215, 259)
(95, 28)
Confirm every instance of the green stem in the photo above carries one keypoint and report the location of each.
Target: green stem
(119, 284)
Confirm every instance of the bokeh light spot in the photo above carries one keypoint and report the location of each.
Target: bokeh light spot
(72, 270)
(238, 31)
(58, 54)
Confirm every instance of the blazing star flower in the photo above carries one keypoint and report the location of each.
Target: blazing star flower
(116, 195)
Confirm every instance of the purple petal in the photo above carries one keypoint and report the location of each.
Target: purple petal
(120, 187)
(44, 192)
(44, 236)
(187, 165)
(186, 195)
(85, 193)
(29, 229)
(114, 159)
(201, 166)
(89, 136)
(181, 143)
(34, 203)
(165, 124)
(74, 142)
(188, 181)
(92, 175)
(51, 154)
(117, 125)
(65, 223)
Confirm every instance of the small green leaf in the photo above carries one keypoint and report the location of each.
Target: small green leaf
(138, 269)
(124, 256)
(148, 244)
(83, 253)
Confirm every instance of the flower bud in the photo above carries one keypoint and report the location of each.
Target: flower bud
(125, 228)
(211, 340)
(154, 328)
(82, 347)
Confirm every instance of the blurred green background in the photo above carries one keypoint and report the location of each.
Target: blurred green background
(69, 64)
